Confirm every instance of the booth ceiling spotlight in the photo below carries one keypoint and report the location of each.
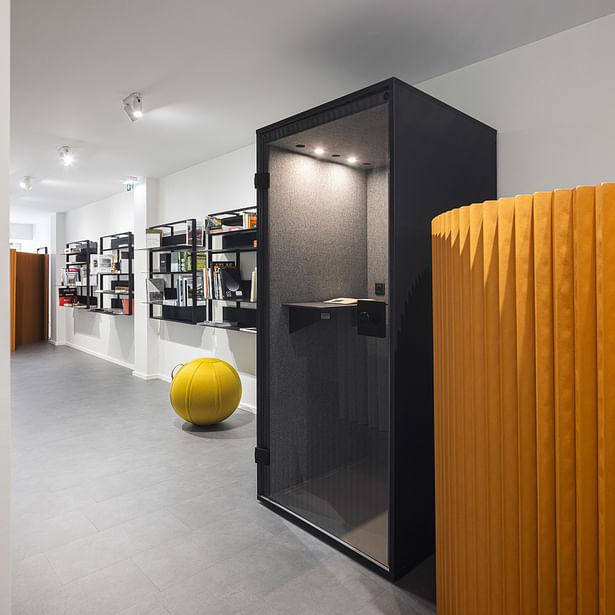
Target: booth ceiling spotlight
(26, 182)
(133, 106)
(66, 155)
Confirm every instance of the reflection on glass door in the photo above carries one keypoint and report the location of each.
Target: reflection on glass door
(329, 363)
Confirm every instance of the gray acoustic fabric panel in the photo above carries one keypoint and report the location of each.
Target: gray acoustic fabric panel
(317, 214)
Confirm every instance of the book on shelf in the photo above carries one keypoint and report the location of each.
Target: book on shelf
(201, 261)
(153, 237)
(155, 289)
(249, 219)
(181, 261)
(162, 261)
(170, 296)
(213, 224)
(230, 279)
(70, 277)
(190, 232)
(223, 281)
(101, 263)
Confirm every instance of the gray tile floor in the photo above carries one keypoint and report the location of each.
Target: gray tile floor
(121, 507)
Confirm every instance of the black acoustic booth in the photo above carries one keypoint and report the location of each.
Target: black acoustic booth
(346, 193)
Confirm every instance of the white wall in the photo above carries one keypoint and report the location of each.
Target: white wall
(111, 215)
(21, 231)
(223, 183)
(5, 398)
(31, 236)
(219, 184)
(110, 337)
(552, 104)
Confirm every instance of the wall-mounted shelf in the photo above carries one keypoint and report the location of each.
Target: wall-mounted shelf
(78, 295)
(179, 281)
(303, 314)
(231, 233)
(121, 248)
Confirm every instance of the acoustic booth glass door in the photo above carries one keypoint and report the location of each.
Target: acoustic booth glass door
(329, 374)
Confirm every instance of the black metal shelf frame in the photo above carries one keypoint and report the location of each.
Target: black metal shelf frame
(175, 242)
(120, 242)
(244, 237)
(82, 250)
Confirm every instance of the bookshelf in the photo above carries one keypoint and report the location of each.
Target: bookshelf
(115, 275)
(77, 289)
(231, 246)
(176, 260)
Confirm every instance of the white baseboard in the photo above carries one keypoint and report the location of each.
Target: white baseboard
(248, 407)
(99, 355)
(56, 343)
(143, 376)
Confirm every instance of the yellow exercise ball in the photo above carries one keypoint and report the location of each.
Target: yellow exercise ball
(205, 391)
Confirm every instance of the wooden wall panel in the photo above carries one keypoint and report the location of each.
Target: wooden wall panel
(13, 254)
(524, 340)
(31, 297)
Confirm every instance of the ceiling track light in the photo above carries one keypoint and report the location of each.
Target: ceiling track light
(66, 155)
(26, 183)
(133, 106)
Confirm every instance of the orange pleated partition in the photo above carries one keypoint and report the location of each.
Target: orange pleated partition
(524, 363)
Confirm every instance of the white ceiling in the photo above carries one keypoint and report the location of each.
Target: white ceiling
(212, 72)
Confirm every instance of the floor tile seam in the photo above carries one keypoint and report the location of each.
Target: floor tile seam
(29, 532)
(184, 531)
(66, 587)
(162, 590)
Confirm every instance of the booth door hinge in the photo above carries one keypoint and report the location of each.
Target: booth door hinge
(261, 181)
(261, 456)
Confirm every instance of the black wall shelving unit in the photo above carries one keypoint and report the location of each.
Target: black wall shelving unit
(175, 239)
(78, 256)
(346, 193)
(122, 245)
(238, 314)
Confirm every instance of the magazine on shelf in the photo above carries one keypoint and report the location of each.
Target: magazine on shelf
(153, 238)
(190, 231)
(155, 289)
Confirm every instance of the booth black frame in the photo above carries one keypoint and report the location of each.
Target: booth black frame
(440, 158)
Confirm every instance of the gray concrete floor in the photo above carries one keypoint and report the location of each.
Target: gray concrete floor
(121, 507)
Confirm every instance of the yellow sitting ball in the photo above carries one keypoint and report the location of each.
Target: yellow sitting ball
(205, 391)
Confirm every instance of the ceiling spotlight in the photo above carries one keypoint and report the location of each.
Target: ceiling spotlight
(319, 151)
(26, 183)
(352, 159)
(131, 179)
(133, 106)
(66, 155)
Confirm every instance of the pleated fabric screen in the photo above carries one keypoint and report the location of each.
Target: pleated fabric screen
(524, 354)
